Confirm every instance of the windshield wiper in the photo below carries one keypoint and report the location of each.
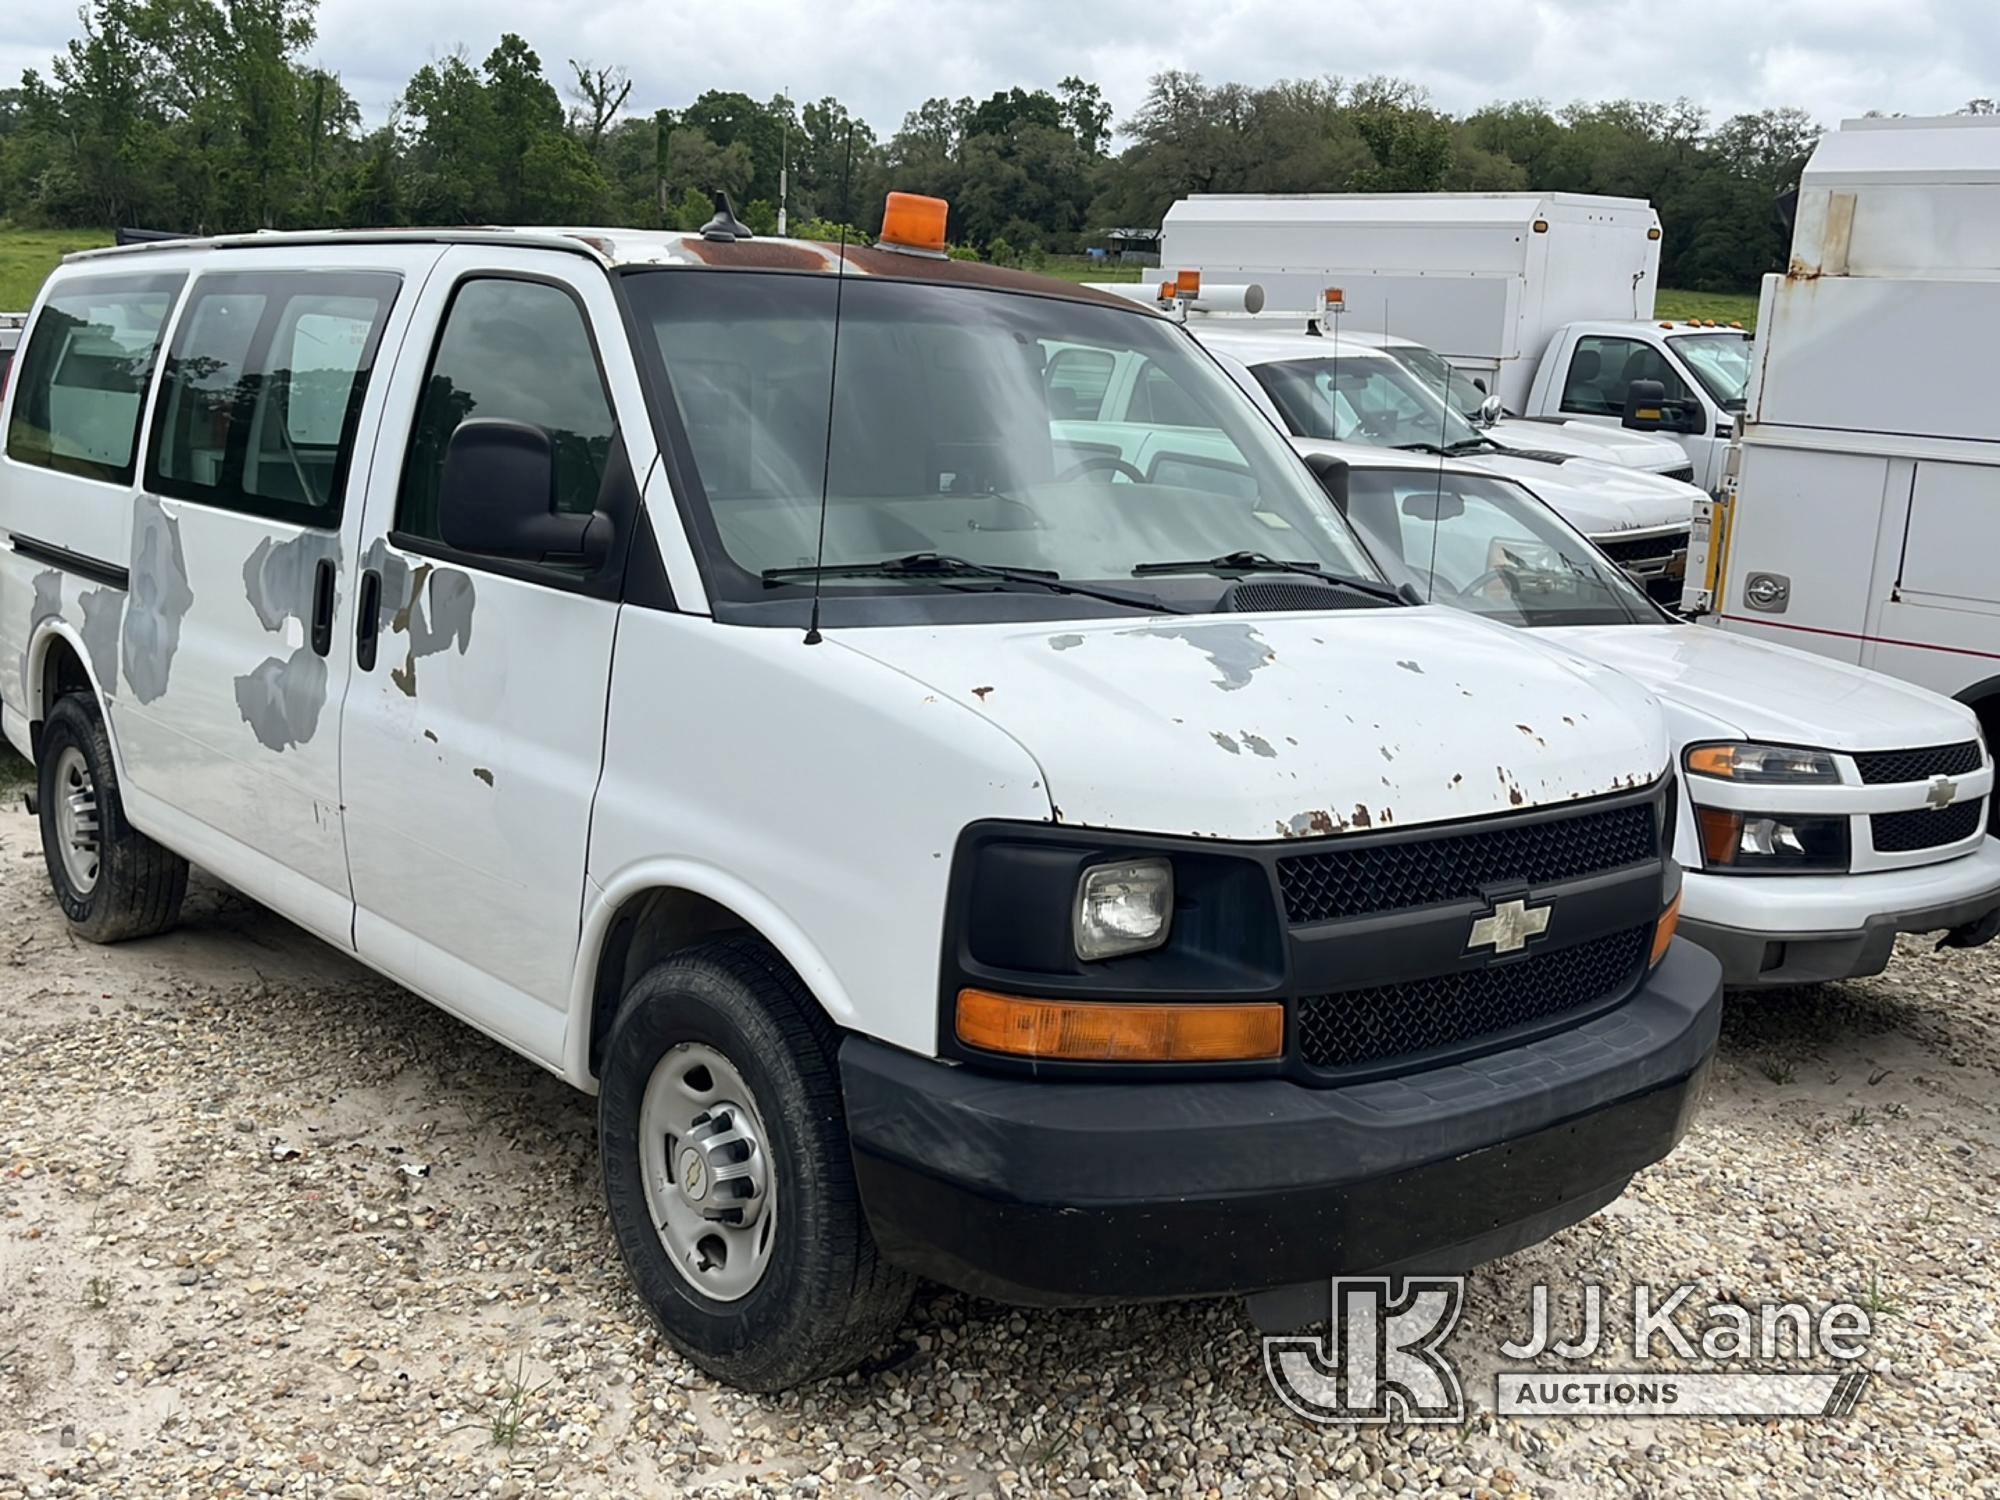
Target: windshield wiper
(944, 565)
(1258, 562)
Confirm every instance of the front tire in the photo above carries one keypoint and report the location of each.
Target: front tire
(728, 1175)
(112, 882)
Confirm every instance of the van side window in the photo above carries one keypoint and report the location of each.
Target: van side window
(1603, 369)
(518, 350)
(84, 374)
(263, 390)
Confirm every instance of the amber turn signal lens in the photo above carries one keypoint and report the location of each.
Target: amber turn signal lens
(1670, 919)
(914, 222)
(1076, 1031)
(1720, 830)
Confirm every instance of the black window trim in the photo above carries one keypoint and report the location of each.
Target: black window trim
(622, 500)
(230, 497)
(174, 284)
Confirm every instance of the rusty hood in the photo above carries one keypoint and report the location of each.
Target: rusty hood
(1289, 725)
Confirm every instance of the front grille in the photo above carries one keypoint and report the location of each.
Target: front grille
(1657, 548)
(1919, 765)
(1419, 871)
(1448, 1010)
(1685, 473)
(1926, 827)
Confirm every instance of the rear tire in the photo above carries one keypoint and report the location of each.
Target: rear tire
(112, 882)
(738, 1217)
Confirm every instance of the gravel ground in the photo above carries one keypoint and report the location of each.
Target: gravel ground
(270, 1226)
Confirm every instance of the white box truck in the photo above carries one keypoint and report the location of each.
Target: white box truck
(1864, 513)
(1546, 299)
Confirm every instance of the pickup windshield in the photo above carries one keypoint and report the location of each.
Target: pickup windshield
(1487, 546)
(1364, 398)
(1006, 432)
(1720, 361)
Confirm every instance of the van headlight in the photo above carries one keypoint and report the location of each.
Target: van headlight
(1767, 765)
(1123, 908)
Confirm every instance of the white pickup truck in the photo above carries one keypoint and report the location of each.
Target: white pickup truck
(1544, 299)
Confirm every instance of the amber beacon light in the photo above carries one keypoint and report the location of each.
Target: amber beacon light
(910, 221)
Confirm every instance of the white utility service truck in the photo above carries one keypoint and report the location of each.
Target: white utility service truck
(1864, 509)
(1544, 299)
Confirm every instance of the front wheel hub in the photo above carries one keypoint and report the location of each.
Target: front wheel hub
(705, 1159)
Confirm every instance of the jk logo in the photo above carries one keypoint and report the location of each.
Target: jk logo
(1384, 1361)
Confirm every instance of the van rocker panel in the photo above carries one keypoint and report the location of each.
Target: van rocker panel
(1052, 1193)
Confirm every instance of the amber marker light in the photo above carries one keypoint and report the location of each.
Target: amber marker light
(910, 221)
(1670, 920)
(1092, 1031)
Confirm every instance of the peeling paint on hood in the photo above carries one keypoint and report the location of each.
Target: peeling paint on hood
(1130, 725)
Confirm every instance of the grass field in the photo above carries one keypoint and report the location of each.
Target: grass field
(1724, 307)
(28, 255)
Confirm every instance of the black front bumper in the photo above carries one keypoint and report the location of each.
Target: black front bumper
(1049, 1193)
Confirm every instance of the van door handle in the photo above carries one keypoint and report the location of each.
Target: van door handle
(322, 628)
(368, 624)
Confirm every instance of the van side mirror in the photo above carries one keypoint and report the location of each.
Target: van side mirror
(498, 497)
(1332, 475)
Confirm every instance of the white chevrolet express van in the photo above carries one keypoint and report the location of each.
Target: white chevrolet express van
(1827, 808)
(944, 847)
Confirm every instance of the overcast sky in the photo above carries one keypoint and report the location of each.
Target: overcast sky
(882, 57)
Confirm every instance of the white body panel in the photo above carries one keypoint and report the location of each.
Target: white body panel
(1869, 464)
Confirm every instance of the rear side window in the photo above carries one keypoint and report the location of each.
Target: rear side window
(84, 374)
(521, 351)
(263, 391)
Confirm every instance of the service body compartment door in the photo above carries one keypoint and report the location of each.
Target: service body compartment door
(474, 727)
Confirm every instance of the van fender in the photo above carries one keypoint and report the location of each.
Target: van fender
(762, 915)
(47, 632)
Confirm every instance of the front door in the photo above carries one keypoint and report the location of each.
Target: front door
(473, 732)
(232, 653)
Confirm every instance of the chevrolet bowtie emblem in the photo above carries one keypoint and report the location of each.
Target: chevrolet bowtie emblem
(1509, 928)
(1943, 790)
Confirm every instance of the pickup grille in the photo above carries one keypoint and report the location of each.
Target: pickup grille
(1926, 827)
(1919, 765)
(1660, 547)
(1685, 474)
(1451, 1010)
(1419, 871)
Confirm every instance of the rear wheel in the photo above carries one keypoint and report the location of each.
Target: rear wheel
(111, 881)
(728, 1176)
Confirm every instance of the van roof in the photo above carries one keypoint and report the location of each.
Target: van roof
(653, 247)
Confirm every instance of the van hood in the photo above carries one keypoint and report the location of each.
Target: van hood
(1598, 499)
(1764, 692)
(1611, 445)
(1288, 725)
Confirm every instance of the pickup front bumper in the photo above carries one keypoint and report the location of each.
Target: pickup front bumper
(1051, 1193)
(1778, 930)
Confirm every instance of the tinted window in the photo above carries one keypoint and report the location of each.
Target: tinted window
(84, 374)
(263, 390)
(518, 350)
(1603, 369)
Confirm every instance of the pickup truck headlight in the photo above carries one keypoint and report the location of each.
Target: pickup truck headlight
(1123, 908)
(1769, 842)
(1769, 765)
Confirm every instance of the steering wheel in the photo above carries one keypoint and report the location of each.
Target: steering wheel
(1502, 576)
(1100, 461)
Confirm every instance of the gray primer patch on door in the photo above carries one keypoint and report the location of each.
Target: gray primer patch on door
(103, 609)
(47, 606)
(436, 614)
(160, 597)
(281, 700)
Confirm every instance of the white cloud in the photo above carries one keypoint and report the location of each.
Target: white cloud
(883, 57)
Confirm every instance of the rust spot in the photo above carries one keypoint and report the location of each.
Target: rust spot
(1385, 752)
(1458, 778)
(1514, 795)
(1386, 815)
(981, 692)
(760, 255)
(483, 774)
(1361, 816)
(1569, 721)
(1525, 730)
(431, 735)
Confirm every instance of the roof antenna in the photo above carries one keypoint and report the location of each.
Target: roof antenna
(813, 637)
(725, 225)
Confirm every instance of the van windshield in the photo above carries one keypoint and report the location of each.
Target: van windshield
(1011, 431)
(1363, 399)
(1485, 545)
(1720, 361)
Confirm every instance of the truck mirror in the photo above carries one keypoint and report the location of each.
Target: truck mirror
(498, 496)
(1646, 406)
(1332, 475)
(1491, 410)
